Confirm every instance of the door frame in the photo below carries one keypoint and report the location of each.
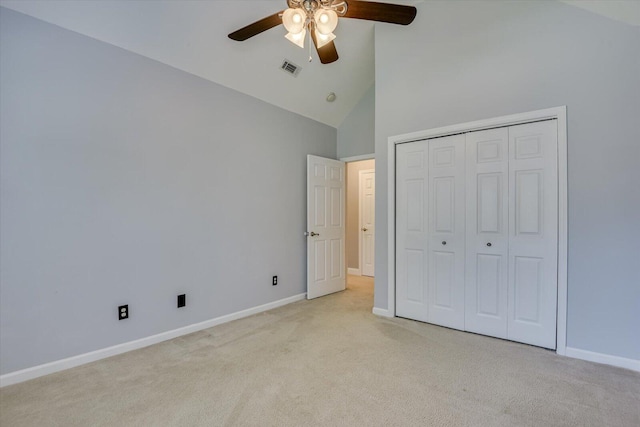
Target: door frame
(361, 236)
(558, 113)
(350, 159)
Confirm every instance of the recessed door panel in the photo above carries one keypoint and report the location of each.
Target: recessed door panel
(444, 202)
(336, 208)
(415, 278)
(336, 257)
(414, 202)
(490, 202)
(320, 250)
(527, 285)
(488, 285)
(320, 197)
(529, 203)
(442, 265)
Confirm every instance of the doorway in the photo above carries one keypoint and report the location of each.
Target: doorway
(360, 217)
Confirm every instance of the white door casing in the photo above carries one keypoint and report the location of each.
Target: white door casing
(326, 268)
(366, 207)
(487, 232)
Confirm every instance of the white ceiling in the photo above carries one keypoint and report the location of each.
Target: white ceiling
(191, 35)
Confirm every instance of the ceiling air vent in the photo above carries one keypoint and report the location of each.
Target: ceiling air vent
(290, 68)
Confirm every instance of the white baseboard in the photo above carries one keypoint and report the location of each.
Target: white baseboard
(354, 271)
(607, 359)
(382, 312)
(81, 359)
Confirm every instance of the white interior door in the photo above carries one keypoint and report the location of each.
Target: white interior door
(487, 232)
(367, 204)
(533, 233)
(325, 226)
(412, 183)
(446, 231)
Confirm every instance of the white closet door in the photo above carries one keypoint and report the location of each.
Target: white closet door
(487, 232)
(446, 231)
(411, 230)
(533, 233)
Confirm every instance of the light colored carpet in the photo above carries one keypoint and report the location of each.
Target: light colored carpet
(329, 362)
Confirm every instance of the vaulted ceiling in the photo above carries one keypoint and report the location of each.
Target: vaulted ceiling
(192, 36)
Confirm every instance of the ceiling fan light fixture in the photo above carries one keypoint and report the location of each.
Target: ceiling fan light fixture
(326, 21)
(297, 38)
(294, 20)
(323, 39)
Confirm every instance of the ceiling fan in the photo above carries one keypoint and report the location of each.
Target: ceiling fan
(318, 19)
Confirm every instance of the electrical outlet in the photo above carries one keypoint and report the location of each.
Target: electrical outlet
(123, 312)
(182, 300)
(274, 281)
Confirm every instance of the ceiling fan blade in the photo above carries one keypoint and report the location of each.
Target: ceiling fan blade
(257, 27)
(327, 53)
(382, 12)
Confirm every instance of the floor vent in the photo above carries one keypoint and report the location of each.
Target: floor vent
(290, 68)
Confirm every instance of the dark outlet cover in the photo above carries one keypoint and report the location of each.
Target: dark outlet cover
(274, 280)
(123, 312)
(182, 300)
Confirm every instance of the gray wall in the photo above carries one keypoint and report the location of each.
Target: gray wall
(352, 238)
(124, 180)
(469, 60)
(356, 133)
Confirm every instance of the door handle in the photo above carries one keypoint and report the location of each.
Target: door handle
(489, 244)
(313, 234)
(444, 242)
(364, 228)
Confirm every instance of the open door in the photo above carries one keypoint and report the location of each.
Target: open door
(325, 226)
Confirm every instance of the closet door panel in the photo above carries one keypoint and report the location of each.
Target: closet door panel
(533, 233)
(446, 231)
(486, 232)
(411, 230)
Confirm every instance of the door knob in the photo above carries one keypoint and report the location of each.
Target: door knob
(489, 244)
(444, 242)
(364, 228)
(313, 234)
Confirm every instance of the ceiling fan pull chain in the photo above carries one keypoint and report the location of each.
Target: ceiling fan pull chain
(309, 43)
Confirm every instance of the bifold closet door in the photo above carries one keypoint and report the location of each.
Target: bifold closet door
(487, 232)
(446, 231)
(477, 232)
(533, 233)
(412, 183)
(430, 231)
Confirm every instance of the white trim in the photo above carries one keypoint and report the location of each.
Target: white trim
(358, 158)
(559, 113)
(354, 271)
(563, 233)
(81, 359)
(381, 312)
(607, 359)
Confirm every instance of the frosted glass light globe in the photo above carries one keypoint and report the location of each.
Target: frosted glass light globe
(326, 21)
(294, 20)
